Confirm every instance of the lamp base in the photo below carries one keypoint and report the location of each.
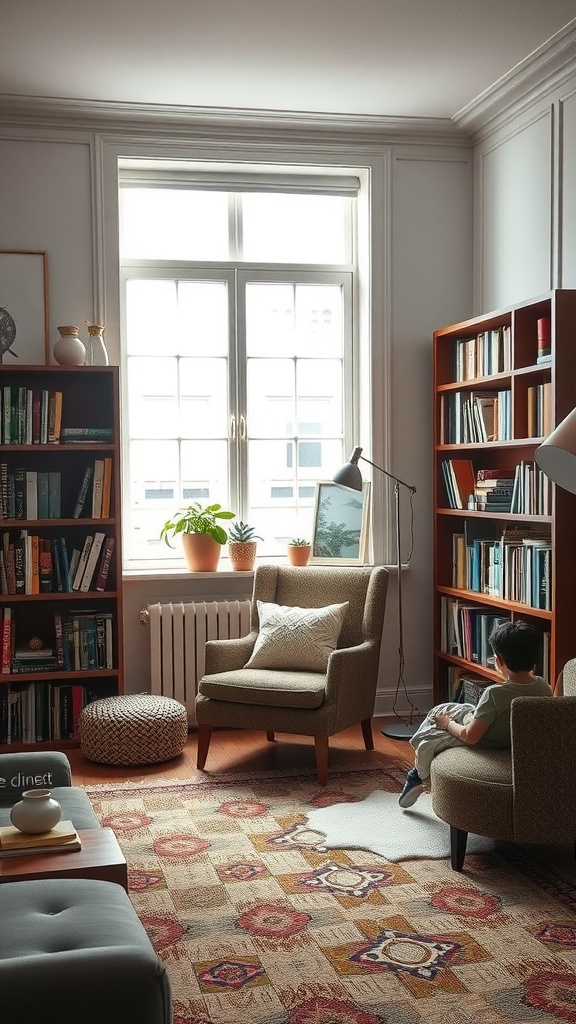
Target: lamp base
(399, 730)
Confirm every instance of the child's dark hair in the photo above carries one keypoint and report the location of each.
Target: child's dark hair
(517, 644)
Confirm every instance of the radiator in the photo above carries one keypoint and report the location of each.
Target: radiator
(178, 635)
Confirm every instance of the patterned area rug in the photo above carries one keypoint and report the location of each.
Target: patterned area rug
(258, 924)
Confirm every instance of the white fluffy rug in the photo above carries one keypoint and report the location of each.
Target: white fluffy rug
(379, 824)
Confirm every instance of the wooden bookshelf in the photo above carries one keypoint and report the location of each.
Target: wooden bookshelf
(39, 705)
(511, 555)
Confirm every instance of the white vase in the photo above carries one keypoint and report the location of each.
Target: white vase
(69, 350)
(36, 812)
(96, 354)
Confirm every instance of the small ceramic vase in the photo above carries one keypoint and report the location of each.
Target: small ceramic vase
(96, 354)
(69, 350)
(36, 812)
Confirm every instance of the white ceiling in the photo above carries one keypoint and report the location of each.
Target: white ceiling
(404, 58)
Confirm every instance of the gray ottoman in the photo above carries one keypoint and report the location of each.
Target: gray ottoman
(133, 729)
(74, 950)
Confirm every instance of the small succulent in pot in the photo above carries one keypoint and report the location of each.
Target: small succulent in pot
(242, 533)
(299, 551)
(242, 546)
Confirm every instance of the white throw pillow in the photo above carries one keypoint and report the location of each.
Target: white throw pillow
(296, 638)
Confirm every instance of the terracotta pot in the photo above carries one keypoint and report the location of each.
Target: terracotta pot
(201, 551)
(298, 554)
(242, 554)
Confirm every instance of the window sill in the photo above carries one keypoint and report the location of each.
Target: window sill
(181, 573)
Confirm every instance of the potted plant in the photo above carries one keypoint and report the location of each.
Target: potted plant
(242, 546)
(202, 534)
(299, 551)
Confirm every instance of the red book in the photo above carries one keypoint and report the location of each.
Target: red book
(105, 562)
(7, 641)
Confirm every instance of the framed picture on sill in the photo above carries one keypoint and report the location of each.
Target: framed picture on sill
(340, 528)
(23, 308)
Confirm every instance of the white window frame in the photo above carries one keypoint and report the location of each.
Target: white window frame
(372, 163)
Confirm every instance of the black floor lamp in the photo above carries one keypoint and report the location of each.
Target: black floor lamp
(349, 475)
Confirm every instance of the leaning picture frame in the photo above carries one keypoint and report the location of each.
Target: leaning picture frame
(24, 307)
(340, 527)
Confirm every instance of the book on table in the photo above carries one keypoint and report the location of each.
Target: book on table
(63, 837)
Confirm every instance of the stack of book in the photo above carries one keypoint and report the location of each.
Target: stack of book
(63, 838)
(41, 660)
(493, 490)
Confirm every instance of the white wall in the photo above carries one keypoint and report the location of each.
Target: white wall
(52, 198)
(525, 201)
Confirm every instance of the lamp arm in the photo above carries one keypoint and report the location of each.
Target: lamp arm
(391, 475)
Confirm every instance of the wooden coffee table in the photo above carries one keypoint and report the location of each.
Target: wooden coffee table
(100, 857)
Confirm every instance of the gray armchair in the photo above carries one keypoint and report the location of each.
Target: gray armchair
(524, 795)
(308, 703)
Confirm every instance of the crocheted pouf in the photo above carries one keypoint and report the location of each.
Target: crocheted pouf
(133, 729)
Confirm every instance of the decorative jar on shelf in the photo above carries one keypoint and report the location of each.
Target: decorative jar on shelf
(36, 812)
(96, 354)
(69, 350)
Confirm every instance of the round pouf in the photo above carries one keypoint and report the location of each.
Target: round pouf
(133, 729)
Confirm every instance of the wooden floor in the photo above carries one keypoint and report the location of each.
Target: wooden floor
(238, 750)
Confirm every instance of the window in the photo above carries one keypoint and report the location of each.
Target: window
(238, 312)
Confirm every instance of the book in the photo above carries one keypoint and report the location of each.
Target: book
(92, 560)
(105, 562)
(63, 847)
(19, 493)
(97, 483)
(82, 563)
(106, 489)
(464, 480)
(83, 432)
(31, 494)
(83, 492)
(54, 499)
(7, 628)
(45, 566)
(43, 495)
(11, 838)
(54, 417)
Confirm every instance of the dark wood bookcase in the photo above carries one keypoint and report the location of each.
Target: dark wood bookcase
(39, 706)
(486, 562)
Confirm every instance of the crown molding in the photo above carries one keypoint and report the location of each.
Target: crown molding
(540, 73)
(161, 120)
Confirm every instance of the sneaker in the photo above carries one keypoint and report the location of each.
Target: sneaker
(413, 788)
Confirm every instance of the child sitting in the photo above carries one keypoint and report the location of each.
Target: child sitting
(515, 646)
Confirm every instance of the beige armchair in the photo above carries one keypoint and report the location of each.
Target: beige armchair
(293, 700)
(525, 794)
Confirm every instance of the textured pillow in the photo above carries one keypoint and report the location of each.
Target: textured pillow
(296, 638)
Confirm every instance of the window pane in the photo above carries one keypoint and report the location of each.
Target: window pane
(202, 317)
(173, 224)
(203, 398)
(151, 317)
(270, 320)
(152, 397)
(271, 397)
(204, 470)
(294, 228)
(283, 478)
(319, 320)
(320, 396)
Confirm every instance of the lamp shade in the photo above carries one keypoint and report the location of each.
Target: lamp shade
(556, 456)
(349, 474)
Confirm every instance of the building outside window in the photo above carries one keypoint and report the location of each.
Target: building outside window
(238, 323)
